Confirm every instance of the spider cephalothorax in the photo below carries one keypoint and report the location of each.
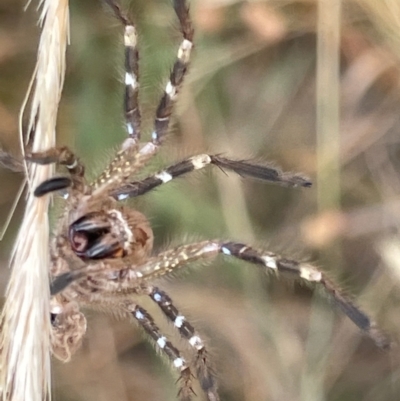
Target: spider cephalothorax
(101, 252)
(113, 233)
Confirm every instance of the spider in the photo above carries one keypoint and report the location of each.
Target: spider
(101, 252)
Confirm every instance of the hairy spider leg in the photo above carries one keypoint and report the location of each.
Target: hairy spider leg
(63, 156)
(126, 162)
(147, 322)
(243, 168)
(131, 95)
(130, 160)
(179, 70)
(204, 372)
(179, 257)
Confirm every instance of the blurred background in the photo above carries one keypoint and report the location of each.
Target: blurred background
(308, 85)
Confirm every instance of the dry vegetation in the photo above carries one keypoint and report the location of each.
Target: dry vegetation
(251, 92)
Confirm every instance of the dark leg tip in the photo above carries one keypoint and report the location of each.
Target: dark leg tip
(52, 185)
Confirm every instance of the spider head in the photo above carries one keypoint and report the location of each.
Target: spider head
(114, 233)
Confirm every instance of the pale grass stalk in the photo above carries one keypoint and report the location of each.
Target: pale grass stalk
(328, 179)
(25, 325)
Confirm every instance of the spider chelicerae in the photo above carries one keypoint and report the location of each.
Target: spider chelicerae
(101, 253)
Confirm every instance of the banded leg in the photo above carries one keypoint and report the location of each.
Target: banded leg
(179, 257)
(241, 167)
(177, 75)
(131, 96)
(147, 322)
(129, 160)
(65, 157)
(204, 372)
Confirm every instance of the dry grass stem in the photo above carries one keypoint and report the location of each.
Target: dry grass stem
(25, 336)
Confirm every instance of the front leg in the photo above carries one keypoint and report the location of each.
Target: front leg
(65, 157)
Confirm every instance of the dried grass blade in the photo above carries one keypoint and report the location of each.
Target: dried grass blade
(25, 326)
